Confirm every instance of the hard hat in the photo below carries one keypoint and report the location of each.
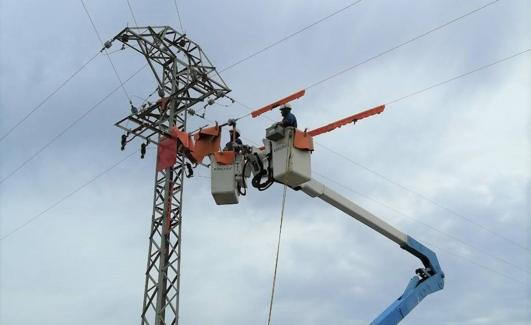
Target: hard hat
(235, 129)
(286, 107)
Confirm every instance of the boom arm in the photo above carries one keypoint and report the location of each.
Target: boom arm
(428, 280)
(286, 158)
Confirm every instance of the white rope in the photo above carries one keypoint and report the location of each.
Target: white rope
(278, 251)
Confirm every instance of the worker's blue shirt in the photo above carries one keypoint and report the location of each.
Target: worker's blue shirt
(289, 120)
(230, 144)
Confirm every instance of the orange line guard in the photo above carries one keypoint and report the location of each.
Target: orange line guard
(278, 103)
(347, 120)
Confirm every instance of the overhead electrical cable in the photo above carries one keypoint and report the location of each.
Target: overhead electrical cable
(65, 197)
(71, 125)
(253, 54)
(79, 188)
(478, 264)
(427, 225)
(182, 28)
(328, 17)
(389, 207)
(399, 45)
(414, 93)
(384, 52)
(104, 48)
(471, 261)
(55, 91)
(132, 12)
(250, 56)
(417, 92)
(179, 16)
(422, 196)
(61, 86)
(435, 85)
(446, 234)
(451, 252)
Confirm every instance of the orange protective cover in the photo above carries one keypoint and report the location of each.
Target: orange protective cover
(213, 131)
(225, 157)
(166, 153)
(279, 102)
(303, 141)
(350, 119)
(207, 141)
(183, 137)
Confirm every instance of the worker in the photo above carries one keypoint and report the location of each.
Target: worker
(288, 119)
(234, 140)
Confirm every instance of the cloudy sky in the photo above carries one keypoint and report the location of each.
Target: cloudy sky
(449, 166)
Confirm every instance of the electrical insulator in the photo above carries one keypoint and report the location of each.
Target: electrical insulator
(108, 44)
(189, 171)
(124, 141)
(142, 150)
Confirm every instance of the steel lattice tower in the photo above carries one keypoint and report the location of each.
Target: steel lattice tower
(185, 77)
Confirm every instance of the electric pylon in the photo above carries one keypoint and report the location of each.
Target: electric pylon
(185, 77)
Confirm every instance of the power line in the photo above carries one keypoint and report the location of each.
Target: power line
(180, 23)
(92, 180)
(61, 200)
(424, 197)
(417, 193)
(483, 67)
(380, 54)
(435, 203)
(122, 84)
(71, 125)
(289, 36)
(272, 45)
(179, 16)
(438, 84)
(411, 40)
(478, 264)
(439, 205)
(516, 280)
(401, 98)
(433, 228)
(104, 48)
(132, 13)
(65, 82)
(408, 216)
(61, 86)
(482, 251)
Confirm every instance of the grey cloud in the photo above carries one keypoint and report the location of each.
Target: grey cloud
(83, 262)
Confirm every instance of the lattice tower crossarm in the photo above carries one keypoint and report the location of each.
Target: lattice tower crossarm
(185, 77)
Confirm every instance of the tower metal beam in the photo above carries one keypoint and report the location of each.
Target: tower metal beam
(185, 77)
